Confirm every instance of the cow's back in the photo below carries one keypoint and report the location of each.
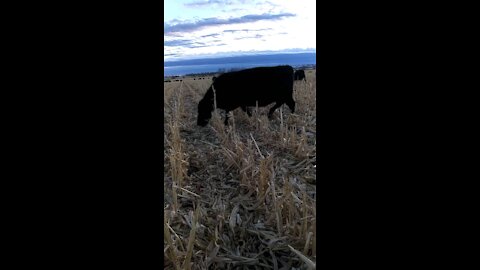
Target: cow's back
(245, 87)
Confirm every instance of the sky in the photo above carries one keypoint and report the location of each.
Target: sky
(218, 28)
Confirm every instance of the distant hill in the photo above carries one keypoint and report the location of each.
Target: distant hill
(207, 65)
(301, 58)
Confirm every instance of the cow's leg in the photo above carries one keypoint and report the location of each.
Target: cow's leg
(226, 117)
(277, 105)
(247, 110)
(291, 105)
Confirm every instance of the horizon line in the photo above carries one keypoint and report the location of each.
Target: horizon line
(236, 54)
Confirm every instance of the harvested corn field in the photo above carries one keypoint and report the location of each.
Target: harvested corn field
(240, 196)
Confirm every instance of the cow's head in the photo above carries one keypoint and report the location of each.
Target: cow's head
(205, 108)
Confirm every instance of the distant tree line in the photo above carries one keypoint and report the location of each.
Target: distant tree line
(309, 66)
(219, 71)
(201, 74)
(224, 70)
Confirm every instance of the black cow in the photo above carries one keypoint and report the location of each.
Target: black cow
(264, 85)
(300, 75)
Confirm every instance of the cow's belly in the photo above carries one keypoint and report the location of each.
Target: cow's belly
(231, 107)
(261, 102)
(227, 102)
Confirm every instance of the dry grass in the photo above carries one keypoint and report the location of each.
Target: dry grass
(241, 196)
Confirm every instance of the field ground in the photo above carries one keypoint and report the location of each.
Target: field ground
(241, 196)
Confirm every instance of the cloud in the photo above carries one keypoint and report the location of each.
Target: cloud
(187, 43)
(211, 35)
(204, 3)
(245, 30)
(177, 42)
(190, 27)
(184, 43)
(197, 46)
(256, 36)
(269, 3)
(233, 10)
(213, 2)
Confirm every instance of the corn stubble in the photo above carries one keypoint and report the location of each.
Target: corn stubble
(241, 196)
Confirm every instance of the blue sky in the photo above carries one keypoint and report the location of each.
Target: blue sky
(216, 28)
